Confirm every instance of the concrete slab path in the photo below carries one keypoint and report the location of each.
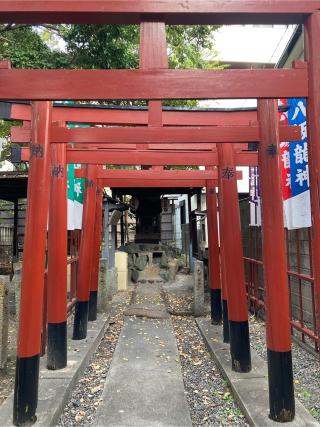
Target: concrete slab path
(249, 389)
(55, 387)
(144, 386)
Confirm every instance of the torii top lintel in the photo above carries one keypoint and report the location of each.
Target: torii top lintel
(169, 11)
(87, 113)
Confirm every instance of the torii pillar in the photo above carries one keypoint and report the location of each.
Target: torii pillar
(57, 260)
(85, 256)
(225, 316)
(312, 37)
(213, 254)
(34, 258)
(280, 375)
(94, 279)
(233, 261)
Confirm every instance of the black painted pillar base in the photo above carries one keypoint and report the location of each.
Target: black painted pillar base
(240, 346)
(26, 390)
(216, 306)
(80, 324)
(93, 301)
(226, 335)
(281, 389)
(57, 346)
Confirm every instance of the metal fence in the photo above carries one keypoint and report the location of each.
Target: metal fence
(300, 277)
(6, 249)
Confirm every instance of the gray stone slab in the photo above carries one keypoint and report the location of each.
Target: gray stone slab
(55, 387)
(144, 386)
(222, 351)
(79, 352)
(249, 389)
(4, 321)
(103, 287)
(198, 292)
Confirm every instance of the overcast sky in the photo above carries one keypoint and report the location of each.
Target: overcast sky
(252, 43)
(249, 43)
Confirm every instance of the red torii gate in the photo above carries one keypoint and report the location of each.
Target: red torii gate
(113, 177)
(159, 84)
(116, 115)
(158, 135)
(143, 178)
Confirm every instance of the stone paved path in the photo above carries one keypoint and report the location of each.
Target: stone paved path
(144, 386)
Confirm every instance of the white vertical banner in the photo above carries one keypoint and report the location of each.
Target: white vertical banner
(254, 197)
(71, 197)
(79, 188)
(295, 170)
(295, 173)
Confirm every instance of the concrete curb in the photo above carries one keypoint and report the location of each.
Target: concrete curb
(249, 389)
(55, 387)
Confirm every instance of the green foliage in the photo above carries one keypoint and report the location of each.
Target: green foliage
(116, 46)
(188, 46)
(100, 47)
(26, 49)
(5, 134)
(5, 128)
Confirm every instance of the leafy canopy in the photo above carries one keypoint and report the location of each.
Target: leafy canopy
(100, 47)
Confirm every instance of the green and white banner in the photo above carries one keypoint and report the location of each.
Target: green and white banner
(76, 188)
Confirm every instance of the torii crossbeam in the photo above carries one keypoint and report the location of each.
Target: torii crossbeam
(133, 12)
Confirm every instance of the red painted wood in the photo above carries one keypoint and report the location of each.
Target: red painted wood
(164, 158)
(209, 147)
(32, 284)
(175, 136)
(153, 54)
(130, 117)
(153, 84)
(148, 157)
(155, 113)
(231, 235)
(143, 183)
(153, 46)
(312, 34)
(154, 148)
(87, 235)
(213, 237)
(5, 64)
(20, 135)
(94, 279)
(273, 249)
(172, 12)
(156, 175)
(57, 237)
(224, 290)
(155, 135)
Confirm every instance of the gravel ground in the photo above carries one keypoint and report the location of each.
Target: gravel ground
(86, 397)
(306, 368)
(7, 374)
(179, 305)
(210, 400)
(208, 395)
